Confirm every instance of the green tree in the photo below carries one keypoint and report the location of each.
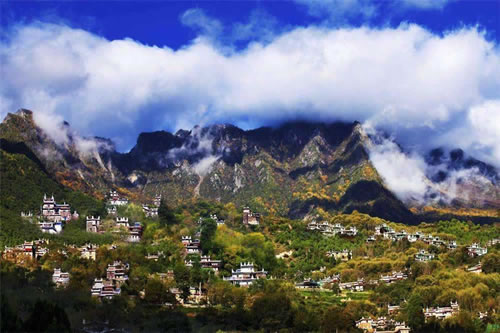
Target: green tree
(157, 293)
(272, 311)
(166, 214)
(416, 318)
(491, 263)
(208, 229)
(9, 320)
(47, 317)
(182, 279)
(335, 320)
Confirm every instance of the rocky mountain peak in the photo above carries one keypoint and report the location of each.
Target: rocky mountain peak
(298, 165)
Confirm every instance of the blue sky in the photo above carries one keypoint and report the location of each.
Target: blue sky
(158, 22)
(425, 71)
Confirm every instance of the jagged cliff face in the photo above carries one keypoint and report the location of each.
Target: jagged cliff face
(299, 164)
(77, 162)
(294, 169)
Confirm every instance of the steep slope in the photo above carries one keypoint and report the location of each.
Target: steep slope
(24, 180)
(80, 163)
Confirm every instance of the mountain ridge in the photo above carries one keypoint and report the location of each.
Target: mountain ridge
(293, 169)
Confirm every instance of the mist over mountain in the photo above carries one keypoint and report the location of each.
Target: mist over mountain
(293, 169)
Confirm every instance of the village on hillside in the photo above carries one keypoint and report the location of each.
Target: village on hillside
(127, 225)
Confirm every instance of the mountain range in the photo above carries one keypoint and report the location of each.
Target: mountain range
(298, 169)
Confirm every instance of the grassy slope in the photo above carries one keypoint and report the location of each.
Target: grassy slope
(23, 184)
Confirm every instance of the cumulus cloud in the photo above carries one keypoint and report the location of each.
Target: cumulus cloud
(403, 80)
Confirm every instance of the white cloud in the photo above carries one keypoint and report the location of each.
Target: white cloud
(485, 124)
(198, 20)
(339, 12)
(402, 79)
(52, 124)
(425, 4)
(260, 26)
(403, 173)
(204, 166)
(409, 176)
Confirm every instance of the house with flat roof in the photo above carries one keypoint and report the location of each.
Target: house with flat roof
(93, 224)
(60, 278)
(250, 218)
(475, 250)
(104, 289)
(423, 255)
(245, 275)
(117, 272)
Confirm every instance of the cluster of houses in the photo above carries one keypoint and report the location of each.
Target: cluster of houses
(35, 250)
(27, 251)
(245, 275)
(152, 210)
(207, 263)
(442, 312)
(52, 215)
(250, 218)
(382, 324)
(389, 233)
(474, 250)
(191, 246)
(134, 231)
(331, 230)
(54, 212)
(393, 277)
(116, 276)
(357, 285)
